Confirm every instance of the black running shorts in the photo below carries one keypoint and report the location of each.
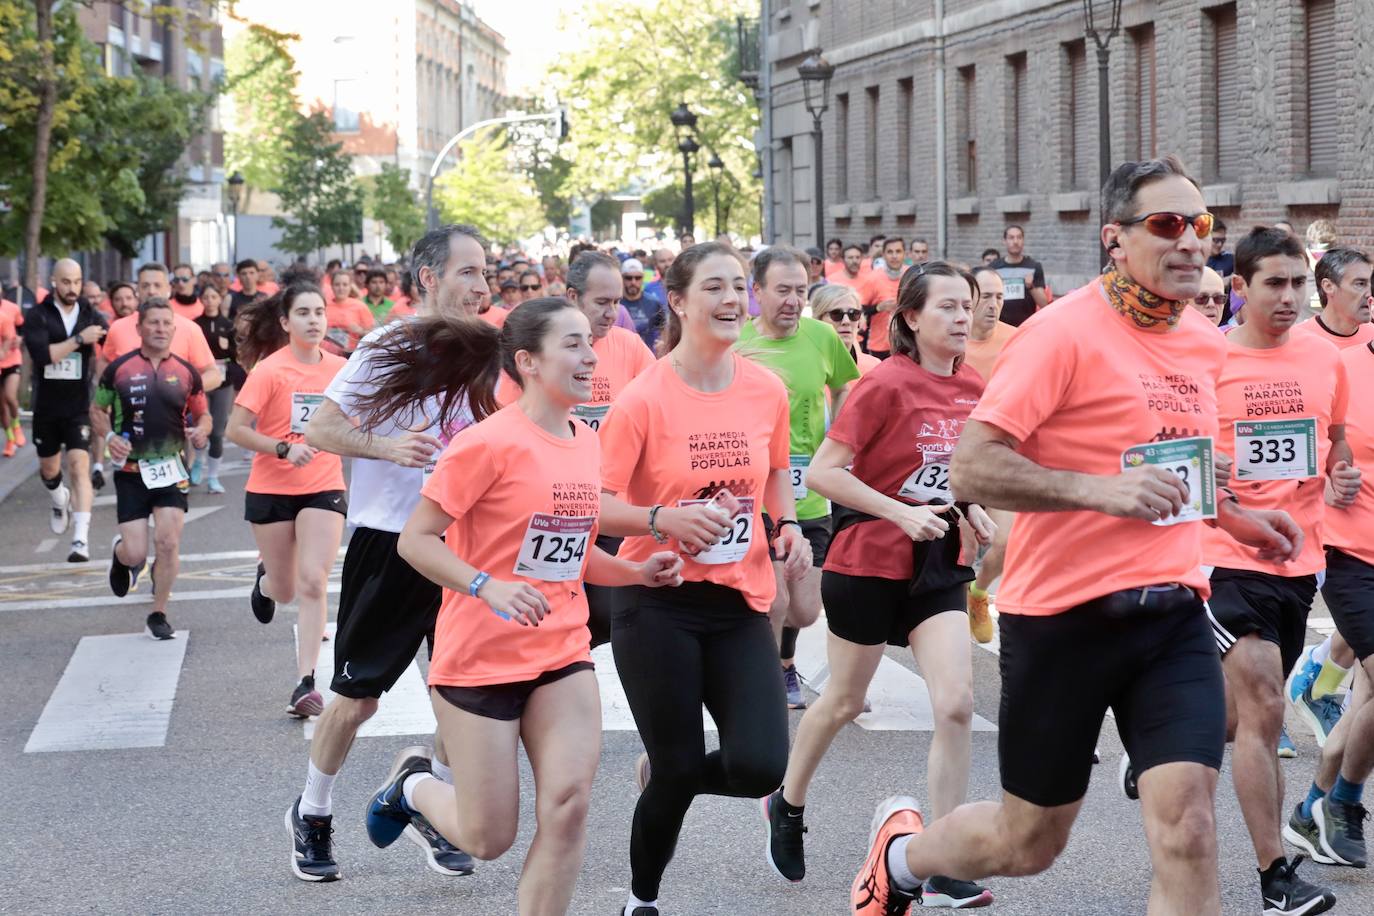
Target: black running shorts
(8, 371)
(1272, 607)
(871, 611)
(52, 434)
(386, 610)
(266, 508)
(133, 499)
(1155, 665)
(505, 701)
(815, 530)
(1349, 593)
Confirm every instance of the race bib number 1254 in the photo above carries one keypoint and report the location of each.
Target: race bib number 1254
(554, 547)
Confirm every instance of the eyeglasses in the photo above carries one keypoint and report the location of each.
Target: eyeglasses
(1172, 225)
(1214, 298)
(534, 288)
(183, 279)
(838, 315)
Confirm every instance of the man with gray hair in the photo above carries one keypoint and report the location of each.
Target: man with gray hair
(1342, 278)
(1097, 429)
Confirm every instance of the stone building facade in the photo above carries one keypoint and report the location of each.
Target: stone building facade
(1267, 102)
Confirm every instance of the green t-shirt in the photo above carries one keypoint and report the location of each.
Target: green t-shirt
(379, 310)
(808, 362)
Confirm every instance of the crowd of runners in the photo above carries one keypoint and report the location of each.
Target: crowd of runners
(1157, 472)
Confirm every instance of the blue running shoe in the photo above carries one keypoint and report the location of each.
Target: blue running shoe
(388, 815)
(792, 682)
(1320, 715)
(1303, 676)
(197, 471)
(1287, 749)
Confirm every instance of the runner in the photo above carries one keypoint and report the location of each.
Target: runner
(1211, 299)
(812, 362)
(692, 451)
(219, 334)
(386, 609)
(11, 364)
(139, 413)
(184, 300)
(376, 299)
(349, 318)
(1083, 398)
(879, 295)
(60, 334)
(838, 306)
(894, 575)
(188, 342)
(294, 498)
(1329, 823)
(516, 494)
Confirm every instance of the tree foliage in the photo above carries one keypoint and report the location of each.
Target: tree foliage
(317, 189)
(483, 189)
(391, 199)
(262, 82)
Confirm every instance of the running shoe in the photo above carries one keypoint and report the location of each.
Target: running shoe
(979, 617)
(941, 893)
(97, 479)
(388, 815)
(642, 772)
(197, 471)
(263, 607)
(305, 699)
(1125, 775)
(212, 485)
(1285, 894)
(157, 627)
(1320, 715)
(312, 842)
(1303, 676)
(80, 553)
(61, 516)
(873, 892)
(442, 856)
(792, 680)
(1340, 827)
(10, 448)
(1287, 749)
(639, 911)
(784, 847)
(120, 575)
(19, 439)
(1302, 832)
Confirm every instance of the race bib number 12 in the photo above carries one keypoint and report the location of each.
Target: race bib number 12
(1276, 450)
(1191, 461)
(554, 547)
(65, 370)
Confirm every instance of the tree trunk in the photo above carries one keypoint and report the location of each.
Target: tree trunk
(47, 103)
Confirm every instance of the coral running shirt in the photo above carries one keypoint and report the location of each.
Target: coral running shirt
(283, 393)
(11, 319)
(188, 341)
(1078, 385)
(982, 354)
(524, 505)
(879, 286)
(494, 316)
(192, 310)
(1350, 529)
(340, 315)
(1315, 327)
(1300, 383)
(902, 423)
(401, 310)
(665, 442)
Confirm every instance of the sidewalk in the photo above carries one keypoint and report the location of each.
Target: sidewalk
(15, 471)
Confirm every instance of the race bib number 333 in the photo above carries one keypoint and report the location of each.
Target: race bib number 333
(1276, 450)
(1191, 461)
(554, 547)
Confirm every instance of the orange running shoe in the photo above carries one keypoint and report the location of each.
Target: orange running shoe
(873, 892)
(9, 448)
(979, 618)
(19, 439)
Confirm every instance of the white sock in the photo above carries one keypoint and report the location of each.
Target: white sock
(408, 787)
(60, 495)
(441, 771)
(897, 867)
(212, 467)
(635, 901)
(81, 526)
(318, 797)
(1319, 654)
(98, 466)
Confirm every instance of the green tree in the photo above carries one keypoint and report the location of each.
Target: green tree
(484, 190)
(262, 82)
(674, 51)
(317, 189)
(391, 199)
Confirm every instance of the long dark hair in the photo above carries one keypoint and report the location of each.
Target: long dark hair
(679, 277)
(450, 359)
(911, 297)
(257, 325)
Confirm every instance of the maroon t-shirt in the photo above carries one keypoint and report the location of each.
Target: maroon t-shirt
(902, 421)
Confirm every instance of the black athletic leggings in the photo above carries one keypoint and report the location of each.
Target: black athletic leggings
(675, 649)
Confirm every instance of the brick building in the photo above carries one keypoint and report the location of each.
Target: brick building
(1267, 101)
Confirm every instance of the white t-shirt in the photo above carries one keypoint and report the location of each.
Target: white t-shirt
(69, 317)
(381, 494)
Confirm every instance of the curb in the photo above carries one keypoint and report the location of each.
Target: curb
(16, 471)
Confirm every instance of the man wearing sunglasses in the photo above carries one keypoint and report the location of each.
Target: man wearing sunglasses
(184, 300)
(646, 311)
(1023, 277)
(1087, 400)
(1211, 299)
(531, 286)
(221, 277)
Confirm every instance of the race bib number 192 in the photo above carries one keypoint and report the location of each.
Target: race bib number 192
(554, 547)
(734, 545)
(1191, 461)
(1276, 450)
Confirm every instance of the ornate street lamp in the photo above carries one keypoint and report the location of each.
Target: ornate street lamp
(815, 73)
(235, 196)
(684, 123)
(1101, 22)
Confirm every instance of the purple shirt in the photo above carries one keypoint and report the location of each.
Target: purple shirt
(625, 319)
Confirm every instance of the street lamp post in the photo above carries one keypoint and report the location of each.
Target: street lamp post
(1101, 22)
(684, 123)
(235, 192)
(815, 73)
(715, 165)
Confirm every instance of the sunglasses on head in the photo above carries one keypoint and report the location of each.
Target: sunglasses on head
(1172, 225)
(1214, 298)
(838, 315)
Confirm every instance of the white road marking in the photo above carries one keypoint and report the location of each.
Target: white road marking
(45, 545)
(185, 558)
(615, 707)
(196, 513)
(402, 710)
(117, 692)
(143, 597)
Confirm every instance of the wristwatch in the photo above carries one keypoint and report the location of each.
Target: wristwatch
(282, 448)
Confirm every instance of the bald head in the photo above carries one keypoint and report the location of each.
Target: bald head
(1211, 299)
(66, 282)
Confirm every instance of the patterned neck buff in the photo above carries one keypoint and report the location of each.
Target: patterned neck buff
(1146, 310)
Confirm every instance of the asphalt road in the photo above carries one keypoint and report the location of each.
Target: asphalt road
(192, 822)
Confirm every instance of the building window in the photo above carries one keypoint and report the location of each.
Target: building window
(966, 101)
(871, 146)
(345, 105)
(1224, 148)
(1323, 75)
(1078, 115)
(787, 201)
(1018, 123)
(905, 102)
(1146, 133)
(842, 146)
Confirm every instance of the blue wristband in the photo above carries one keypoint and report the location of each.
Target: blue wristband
(477, 582)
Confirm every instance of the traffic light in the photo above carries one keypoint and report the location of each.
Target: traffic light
(562, 124)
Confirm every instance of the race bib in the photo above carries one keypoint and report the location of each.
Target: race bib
(799, 464)
(554, 547)
(929, 483)
(1015, 289)
(591, 414)
(1276, 450)
(338, 337)
(161, 472)
(65, 370)
(1191, 461)
(735, 544)
(303, 407)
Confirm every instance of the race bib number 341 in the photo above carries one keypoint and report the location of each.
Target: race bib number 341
(1191, 461)
(554, 547)
(1276, 450)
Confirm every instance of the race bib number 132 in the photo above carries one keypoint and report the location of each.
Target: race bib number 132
(1191, 461)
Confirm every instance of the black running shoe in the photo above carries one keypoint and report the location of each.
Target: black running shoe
(1285, 894)
(943, 893)
(305, 699)
(784, 849)
(263, 607)
(120, 577)
(1126, 777)
(388, 815)
(81, 553)
(157, 626)
(1302, 832)
(1341, 829)
(97, 479)
(442, 856)
(312, 854)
